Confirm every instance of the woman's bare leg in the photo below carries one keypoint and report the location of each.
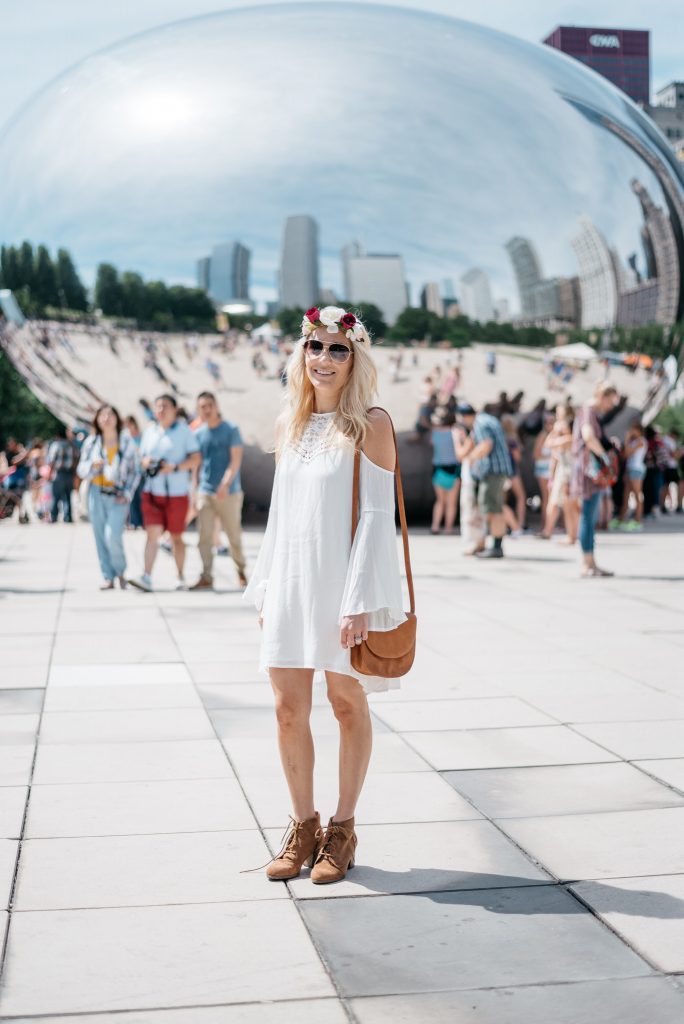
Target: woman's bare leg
(438, 508)
(293, 689)
(350, 705)
(451, 507)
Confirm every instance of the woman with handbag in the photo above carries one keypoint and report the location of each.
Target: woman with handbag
(327, 581)
(110, 463)
(594, 469)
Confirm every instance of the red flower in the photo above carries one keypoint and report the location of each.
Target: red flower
(313, 314)
(348, 321)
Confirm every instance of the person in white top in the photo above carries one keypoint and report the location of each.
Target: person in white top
(318, 594)
(635, 450)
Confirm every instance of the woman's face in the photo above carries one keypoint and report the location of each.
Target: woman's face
(106, 419)
(328, 375)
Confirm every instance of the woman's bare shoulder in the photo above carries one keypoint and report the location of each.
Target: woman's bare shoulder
(379, 443)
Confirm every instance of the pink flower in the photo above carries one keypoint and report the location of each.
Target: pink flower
(348, 321)
(313, 314)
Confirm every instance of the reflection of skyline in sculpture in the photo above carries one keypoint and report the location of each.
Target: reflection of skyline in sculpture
(476, 296)
(598, 288)
(224, 275)
(547, 302)
(165, 122)
(375, 277)
(298, 277)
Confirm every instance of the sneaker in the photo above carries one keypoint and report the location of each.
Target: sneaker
(614, 524)
(181, 584)
(633, 527)
(223, 551)
(491, 553)
(143, 582)
(203, 583)
(516, 534)
(165, 545)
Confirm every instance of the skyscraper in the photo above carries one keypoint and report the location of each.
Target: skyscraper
(431, 298)
(527, 270)
(620, 55)
(229, 273)
(203, 266)
(476, 296)
(298, 281)
(598, 287)
(376, 278)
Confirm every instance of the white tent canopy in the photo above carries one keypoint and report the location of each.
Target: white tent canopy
(579, 352)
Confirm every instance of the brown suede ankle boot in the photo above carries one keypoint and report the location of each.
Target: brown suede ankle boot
(300, 847)
(336, 854)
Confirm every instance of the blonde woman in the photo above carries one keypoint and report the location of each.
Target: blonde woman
(318, 595)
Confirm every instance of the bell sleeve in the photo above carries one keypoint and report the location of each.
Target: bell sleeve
(258, 580)
(373, 583)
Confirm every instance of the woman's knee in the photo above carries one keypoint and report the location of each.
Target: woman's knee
(291, 712)
(348, 706)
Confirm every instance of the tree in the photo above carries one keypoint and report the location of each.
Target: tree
(44, 288)
(372, 318)
(25, 265)
(72, 294)
(290, 320)
(418, 324)
(134, 298)
(9, 268)
(22, 415)
(108, 290)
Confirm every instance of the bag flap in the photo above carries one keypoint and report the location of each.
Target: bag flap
(395, 643)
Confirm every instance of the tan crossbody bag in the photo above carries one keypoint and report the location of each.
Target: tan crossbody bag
(388, 654)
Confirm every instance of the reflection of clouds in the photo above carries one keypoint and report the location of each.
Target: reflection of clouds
(421, 135)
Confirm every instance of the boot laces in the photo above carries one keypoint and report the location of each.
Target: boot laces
(335, 835)
(288, 843)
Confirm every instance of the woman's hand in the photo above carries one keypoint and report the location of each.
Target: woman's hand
(353, 629)
(97, 463)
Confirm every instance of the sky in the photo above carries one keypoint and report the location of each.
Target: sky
(41, 38)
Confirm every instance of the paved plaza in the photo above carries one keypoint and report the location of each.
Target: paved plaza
(521, 833)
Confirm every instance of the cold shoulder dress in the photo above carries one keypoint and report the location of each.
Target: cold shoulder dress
(308, 576)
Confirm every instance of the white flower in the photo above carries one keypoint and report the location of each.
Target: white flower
(350, 334)
(330, 316)
(358, 331)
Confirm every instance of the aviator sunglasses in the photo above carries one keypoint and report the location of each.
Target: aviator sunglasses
(338, 353)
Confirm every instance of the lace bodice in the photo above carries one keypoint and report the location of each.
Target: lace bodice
(318, 436)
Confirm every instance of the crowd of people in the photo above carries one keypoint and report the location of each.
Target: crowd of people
(490, 467)
(177, 470)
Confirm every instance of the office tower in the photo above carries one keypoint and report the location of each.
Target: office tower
(298, 282)
(620, 55)
(203, 266)
(376, 278)
(528, 272)
(229, 273)
(476, 296)
(668, 113)
(598, 287)
(431, 299)
(502, 311)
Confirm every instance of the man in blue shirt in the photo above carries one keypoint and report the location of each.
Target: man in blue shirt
(219, 490)
(168, 454)
(491, 466)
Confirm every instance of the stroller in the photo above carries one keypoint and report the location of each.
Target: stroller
(12, 495)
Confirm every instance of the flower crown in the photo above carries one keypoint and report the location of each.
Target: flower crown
(334, 319)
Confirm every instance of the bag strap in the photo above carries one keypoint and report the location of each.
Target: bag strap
(400, 504)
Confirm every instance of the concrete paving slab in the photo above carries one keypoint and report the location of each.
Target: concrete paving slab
(12, 805)
(143, 870)
(648, 912)
(8, 860)
(255, 758)
(114, 698)
(85, 648)
(261, 722)
(123, 674)
(130, 808)
(123, 619)
(604, 845)
(564, 789)
(506, 748)
(18, 729)
(444, 856)
(618, 1001)
(310, 1011)
(444, 941)
(393, 797)
(218, 649)
(129, 762)
(123, 727)
(15, 764)
(226, 672)
(27, 677)
(638, 741)
(491, 712)
(20, 700)
(644, 707)
(153, 957)
(238, 696)
(670, 770)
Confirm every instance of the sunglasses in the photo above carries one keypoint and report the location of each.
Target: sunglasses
(338, 353)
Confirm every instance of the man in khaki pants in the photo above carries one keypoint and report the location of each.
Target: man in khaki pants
(219, 491)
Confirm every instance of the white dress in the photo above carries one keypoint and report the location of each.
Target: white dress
(307, 575)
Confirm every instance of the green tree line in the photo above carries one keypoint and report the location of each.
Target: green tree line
(41, 282)
(153, 305)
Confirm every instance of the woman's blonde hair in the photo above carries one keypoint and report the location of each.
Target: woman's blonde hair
(351, 419)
